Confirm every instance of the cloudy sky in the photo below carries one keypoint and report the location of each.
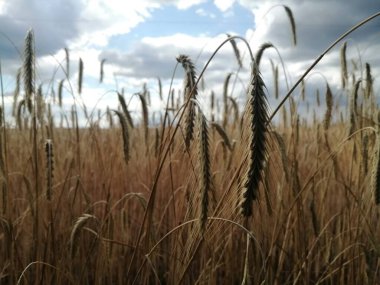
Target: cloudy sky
(140, 41)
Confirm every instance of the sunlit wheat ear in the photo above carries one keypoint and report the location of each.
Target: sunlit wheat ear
(79, 225)
(260, 52)
(49, 167)
(124, 128)
(205, 181)
(236, 50)
(343, 65)
(80, 76)
(191, 91)
(29, 69)
(125, 109)
(257, 148)
(329, 106)
(292, 23)
(375, 183)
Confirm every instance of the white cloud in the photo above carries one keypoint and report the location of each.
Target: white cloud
(185, 4)
(224, 5)
(102, 19)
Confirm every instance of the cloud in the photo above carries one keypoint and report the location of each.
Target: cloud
(224, 5)
(156, 56)
(87, 27)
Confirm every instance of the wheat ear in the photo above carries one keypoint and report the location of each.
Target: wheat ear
(205, 180)
(260, 52)
(236, 50)
(191, 92)
(124, 127)
(29, 69)
(67, 53)
(49, 167)
(292, 23)
(80, 76)
(257, 152)
(125, 109)
(79, 224)
(101, 76)
(343, 64)
(329, 105)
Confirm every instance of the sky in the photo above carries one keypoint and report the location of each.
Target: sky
(140, 40)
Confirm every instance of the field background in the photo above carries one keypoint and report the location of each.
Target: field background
(119, 201)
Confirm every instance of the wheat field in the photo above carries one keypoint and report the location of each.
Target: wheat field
(206, 196)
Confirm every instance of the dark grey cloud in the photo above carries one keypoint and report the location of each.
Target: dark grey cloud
(318, 24)
(54, 23)
(145, 60)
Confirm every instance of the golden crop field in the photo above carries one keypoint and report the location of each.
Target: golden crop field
(207, 196)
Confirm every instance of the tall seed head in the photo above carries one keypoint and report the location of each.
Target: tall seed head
(29, 69)
(257, 151)
(191, 92)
